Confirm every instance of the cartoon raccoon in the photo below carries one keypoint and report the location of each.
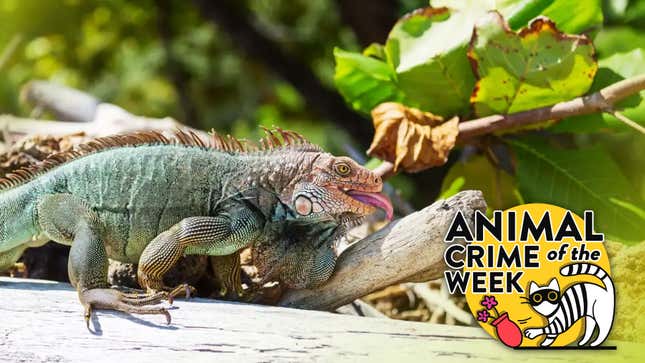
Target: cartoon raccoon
(562, 309)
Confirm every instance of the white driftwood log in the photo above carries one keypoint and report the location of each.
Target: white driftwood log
(42, 321)
(409, 249)
(78, 112)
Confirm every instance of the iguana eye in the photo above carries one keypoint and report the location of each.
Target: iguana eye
(342, 169)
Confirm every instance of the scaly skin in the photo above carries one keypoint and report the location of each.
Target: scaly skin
(143, 198)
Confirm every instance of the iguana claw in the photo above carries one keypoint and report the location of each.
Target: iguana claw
(184, 289)
(88, 315)
(112, 299)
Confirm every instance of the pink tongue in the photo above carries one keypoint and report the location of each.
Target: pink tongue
(377, 200)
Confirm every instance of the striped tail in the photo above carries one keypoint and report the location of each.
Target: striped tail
(584, 268)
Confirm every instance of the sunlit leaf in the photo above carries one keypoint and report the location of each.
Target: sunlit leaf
(478, 173)
(364, 81)
(375, 50)
(426, 51)
(582, 179)
(612, 69)
(612, 40)
(525, 11)
(577, 16)
(536, 67)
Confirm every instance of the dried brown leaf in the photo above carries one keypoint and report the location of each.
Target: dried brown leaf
(411, 139)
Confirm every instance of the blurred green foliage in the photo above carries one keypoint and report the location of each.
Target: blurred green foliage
(115, 51)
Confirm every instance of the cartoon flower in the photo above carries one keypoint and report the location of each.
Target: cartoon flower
(482, 315)
(489, 302)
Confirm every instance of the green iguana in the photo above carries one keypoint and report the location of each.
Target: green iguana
(146, 198)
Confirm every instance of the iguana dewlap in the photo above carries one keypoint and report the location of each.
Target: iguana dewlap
(145, 198)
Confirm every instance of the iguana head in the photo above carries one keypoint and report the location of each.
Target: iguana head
(340, 187)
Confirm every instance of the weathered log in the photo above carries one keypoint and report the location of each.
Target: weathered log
(409, 249)
(63, 102)
(42, 321)
(78, 111)
(110, 119)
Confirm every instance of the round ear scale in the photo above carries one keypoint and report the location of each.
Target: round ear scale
(303, 205)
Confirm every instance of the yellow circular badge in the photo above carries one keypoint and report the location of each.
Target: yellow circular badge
(538, 276)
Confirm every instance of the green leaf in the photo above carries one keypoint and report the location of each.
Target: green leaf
(611, 70)
(525, 11)
(375, 50)
(427, 49)
(364, 81)
(582, 179)
(499, 188)
(452, 188)
(614, 40)
(575, 17)
(426, 52)
(570, 16)
(536, 67)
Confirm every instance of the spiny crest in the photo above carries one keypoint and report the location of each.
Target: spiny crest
(291, 141)
(288, 140)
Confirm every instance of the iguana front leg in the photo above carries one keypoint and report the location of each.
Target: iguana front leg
(68, 220)
(214, 236)
(227, 271)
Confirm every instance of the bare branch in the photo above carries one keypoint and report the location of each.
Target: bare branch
(627, 121)
(601, 101)
(595, 102)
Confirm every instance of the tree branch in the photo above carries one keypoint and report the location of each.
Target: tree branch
(601, 101)
(627, 121)
(64, 103)
(596, 102)
(408, 249)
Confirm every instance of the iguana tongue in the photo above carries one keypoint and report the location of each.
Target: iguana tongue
(377, 200)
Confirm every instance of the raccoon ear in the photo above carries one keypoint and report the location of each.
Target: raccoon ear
(533, 287)
(553, 284)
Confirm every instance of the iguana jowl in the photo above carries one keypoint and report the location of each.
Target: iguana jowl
(149, 199)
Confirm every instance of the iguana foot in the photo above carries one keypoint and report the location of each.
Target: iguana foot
(164, 292)
(141, 295)
(237, 293)
(183, 290)
(111, 299)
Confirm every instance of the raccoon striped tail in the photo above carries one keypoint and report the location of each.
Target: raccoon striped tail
(583, 268)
